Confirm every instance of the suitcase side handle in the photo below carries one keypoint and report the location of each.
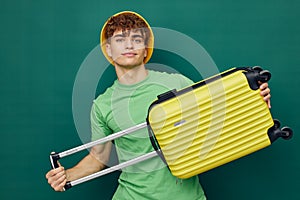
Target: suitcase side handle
(152, 139)
(155, 144)
(167, 95)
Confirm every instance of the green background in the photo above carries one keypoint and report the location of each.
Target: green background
(43, 44)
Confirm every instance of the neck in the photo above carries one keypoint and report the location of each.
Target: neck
(129, 76)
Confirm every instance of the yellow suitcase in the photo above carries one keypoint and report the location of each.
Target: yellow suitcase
(211, 123)
(198, 128)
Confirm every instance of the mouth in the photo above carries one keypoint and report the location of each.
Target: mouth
(129, 54)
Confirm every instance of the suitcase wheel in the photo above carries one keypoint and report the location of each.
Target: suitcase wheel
(276, 132)
(264, 76)
(256, 75)
(257, 68)
(276, 124)
(287, 133)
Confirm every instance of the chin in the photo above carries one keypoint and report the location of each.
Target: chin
(129, 65)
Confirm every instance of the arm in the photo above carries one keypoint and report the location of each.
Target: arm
(93, 162)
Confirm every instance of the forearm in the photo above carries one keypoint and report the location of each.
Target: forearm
(85, 167)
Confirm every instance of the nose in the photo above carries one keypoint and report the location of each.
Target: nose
(128, 43)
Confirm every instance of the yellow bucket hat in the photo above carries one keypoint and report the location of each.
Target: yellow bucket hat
(150, 42)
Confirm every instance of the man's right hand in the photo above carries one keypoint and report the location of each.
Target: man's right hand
(57, 178)
(93, 162)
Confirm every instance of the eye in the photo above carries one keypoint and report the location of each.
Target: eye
(137, 40)
(120, 39)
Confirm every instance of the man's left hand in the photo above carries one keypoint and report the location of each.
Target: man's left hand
(265, 93)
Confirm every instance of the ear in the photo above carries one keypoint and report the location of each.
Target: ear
(146, 52)
(108, 50)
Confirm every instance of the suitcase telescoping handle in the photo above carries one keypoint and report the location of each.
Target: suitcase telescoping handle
(54, 157)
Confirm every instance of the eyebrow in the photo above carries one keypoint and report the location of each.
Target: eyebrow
(133, 36)
(119, 35)
(137, 36)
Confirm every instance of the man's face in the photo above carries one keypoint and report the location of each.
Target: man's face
(127, 49)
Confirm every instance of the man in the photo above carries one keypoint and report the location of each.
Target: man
(127, 42)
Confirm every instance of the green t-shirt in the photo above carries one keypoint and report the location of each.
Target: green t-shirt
(123, 106)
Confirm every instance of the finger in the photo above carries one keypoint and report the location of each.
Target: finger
(62, 185)
(58, 182)
(267, 100)
(267, 97)
(269, 103)
(263, 85)
(53, 172)
(60, 188)
(265, 92)
(61, 179)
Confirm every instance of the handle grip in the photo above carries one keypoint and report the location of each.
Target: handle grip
(54, 157)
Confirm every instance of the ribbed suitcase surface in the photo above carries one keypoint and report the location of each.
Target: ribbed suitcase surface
(210, 125)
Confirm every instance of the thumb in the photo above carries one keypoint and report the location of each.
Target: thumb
(269, 103)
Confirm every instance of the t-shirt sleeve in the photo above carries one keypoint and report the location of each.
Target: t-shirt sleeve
(99, 126)
(184, 81)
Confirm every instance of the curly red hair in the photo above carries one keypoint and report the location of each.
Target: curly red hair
(126, 22)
